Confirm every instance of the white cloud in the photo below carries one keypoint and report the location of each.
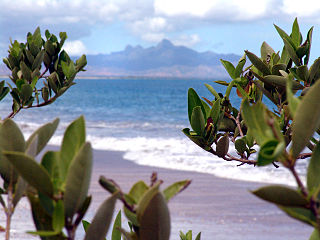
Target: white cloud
(307, 8)
(75, 48)
(187, 40)
(221, 10)
(153, 37)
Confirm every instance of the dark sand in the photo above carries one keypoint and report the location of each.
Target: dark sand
(221, 209)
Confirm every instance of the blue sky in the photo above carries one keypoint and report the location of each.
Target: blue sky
(104, 26)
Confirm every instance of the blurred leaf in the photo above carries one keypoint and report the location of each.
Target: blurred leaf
(78, 180)
(26, 72)
(81, 63)
(58, 217)
(229, 67)
(85, 225)
(137, 190)
(307, 114)
(73, 139)
(292, 53)
(198, 237)
(313, 176)
(314, 70)
(270, 151)
(302, 214)
(215, 111)
(281, 82)
(116, 234)
(38, 60)
(21, 187)
(31, 171)
(153, 216)
(239, 67)
(44, 133)
(26, 92)
(198, 120)
(303, 73)
(199, 140)
(260, 65)
(277, 67)
(175, 188)
(281, 195)
(240, 145)
(293, 102)
(222, 146)
(315, 235)
(100, 224)
(108, 185)
(224, 83)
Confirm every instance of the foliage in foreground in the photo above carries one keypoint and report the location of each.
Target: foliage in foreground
(57, 185)
(282, 130)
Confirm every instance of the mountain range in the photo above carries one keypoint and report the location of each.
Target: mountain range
(163, 60)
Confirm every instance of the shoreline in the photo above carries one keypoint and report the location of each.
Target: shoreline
(220, 208)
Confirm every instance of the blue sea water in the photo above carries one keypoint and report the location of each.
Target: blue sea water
(143, 118)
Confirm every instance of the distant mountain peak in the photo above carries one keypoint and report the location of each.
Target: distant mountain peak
(165, 43)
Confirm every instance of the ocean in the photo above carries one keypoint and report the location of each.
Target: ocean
(143, 118)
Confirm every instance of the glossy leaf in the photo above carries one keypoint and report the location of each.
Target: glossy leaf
(198, 120)
(73, 139)
(175, 188)
(307, 114)
(100, 224)
(116, 234)
(31, 171)
(281, 195)
(78, 180)
(194, 101)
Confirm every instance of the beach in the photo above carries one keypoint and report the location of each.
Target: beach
(220, 208)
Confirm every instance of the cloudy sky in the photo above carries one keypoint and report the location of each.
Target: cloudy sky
(104, 26)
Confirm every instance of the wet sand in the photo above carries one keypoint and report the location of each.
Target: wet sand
(221, 209)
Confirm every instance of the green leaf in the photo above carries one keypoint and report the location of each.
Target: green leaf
(277, 67)
(281, 195)
(26, 72)
(31, 171)
(108, 185)
(58, 217)
(303, 73)
(229, 67)
(211, 89)
(270, 152)
(296, 35)
(254, 117)
(26, 92)
(153, 216)
(315, 235)
(239, 67)
(266, 51)
(199, 140)
(260, 65)
(194, 101)
(285, 36)
(43, 233)
(21, 187)
(302, 214)
(137, 190)
(215, 111)
(313, 176)
(78, 180)
(81, 63)
(240, 145)
(224, 83)
(85, 225)
(198, 237)
(314, 71)
(198, 120)
(73, 139)
(38, 60)
(307, 114)
(11, 139)
(44, 133)
(223, 146)
(293, 102)
(116, 234)
(175, 188)
(292, 53)
(100, 224)
(309, 41)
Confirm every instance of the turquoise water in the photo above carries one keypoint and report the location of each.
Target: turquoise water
(143, 118)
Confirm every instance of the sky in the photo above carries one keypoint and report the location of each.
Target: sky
(105, 26)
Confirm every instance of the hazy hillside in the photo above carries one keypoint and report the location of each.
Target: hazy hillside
(162, 60)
